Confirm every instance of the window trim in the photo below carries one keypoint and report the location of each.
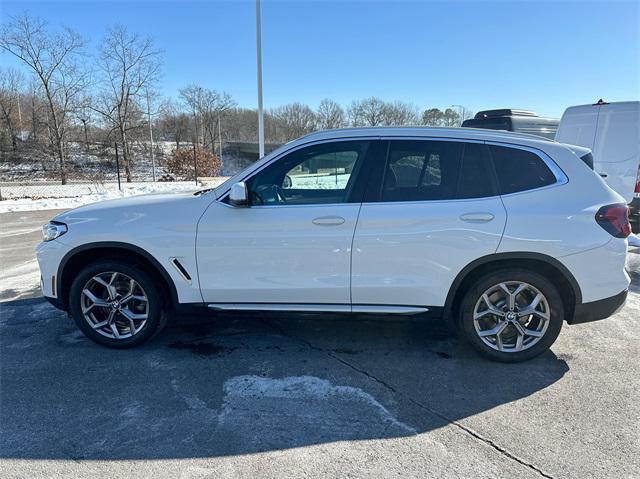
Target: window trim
(222, 199)
(558, 173)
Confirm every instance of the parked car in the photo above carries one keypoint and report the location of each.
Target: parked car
(505, 235)
(520, 121)
(612, 132)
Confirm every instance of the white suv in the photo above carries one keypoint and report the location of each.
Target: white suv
(506, 235)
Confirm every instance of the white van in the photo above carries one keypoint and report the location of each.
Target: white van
(612, 132)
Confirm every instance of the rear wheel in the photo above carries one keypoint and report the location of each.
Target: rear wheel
(512, 315)
(116, 304)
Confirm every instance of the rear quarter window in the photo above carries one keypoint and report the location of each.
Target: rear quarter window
(519, 170)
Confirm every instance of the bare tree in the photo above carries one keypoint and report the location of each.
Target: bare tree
(294, 120)
(52, 57)
(207, 108)
(242, 124)
(367, 112)
(432, 117)
(400, 114)
(466, 113)
(193, 98)
(11, 83)
(330, 115)
(214, 106)
(450, 118)
(174, 123)
(129, 65)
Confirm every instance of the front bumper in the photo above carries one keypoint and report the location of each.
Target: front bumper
(49, 255)
(601, 309)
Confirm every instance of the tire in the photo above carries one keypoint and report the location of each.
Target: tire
(534, 333)
(96, 285)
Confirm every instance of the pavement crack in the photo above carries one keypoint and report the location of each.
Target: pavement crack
(476, 435)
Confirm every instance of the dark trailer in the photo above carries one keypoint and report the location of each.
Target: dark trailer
(521, 121)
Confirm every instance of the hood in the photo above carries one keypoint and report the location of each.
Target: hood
(132, 204)
(155, 218)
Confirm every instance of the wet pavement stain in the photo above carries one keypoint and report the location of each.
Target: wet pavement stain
(201, 349)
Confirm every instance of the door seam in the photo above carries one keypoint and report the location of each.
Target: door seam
(353, 237)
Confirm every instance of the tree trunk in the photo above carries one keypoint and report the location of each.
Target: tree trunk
(125, 154)
(34, 120)
(63, 172)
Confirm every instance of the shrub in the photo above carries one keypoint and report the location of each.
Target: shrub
(181, 163)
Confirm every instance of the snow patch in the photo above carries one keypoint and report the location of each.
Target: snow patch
(301, 410)
(19, 280)
(74, 195)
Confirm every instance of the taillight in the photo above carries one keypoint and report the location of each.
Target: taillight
(615, 220)
(637, 190)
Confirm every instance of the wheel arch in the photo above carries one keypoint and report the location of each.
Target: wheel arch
(553, 269)
(80, 256)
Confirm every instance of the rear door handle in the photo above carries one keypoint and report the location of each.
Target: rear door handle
(477, 217)
(329, 221)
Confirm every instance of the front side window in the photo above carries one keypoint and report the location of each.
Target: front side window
(318, 174)
(424, 170)
(520, 170)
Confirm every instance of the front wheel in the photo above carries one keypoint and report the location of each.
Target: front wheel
(116, 304)
(512, 315)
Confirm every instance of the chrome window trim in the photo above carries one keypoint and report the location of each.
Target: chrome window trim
(561, 177)
(431, 138)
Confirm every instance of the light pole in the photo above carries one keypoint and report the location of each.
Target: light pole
(153, 160)
(259, 65)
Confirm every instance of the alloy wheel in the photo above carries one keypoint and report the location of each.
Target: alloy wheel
(115, 305)
(511, 316)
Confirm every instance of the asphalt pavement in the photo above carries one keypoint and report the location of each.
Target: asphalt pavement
(253, 395)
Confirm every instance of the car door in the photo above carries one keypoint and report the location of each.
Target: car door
(292, 245)
(431, 208)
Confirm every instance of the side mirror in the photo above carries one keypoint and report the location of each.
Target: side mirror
(239, 194)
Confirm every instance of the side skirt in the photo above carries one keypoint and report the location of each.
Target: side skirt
(329, 308)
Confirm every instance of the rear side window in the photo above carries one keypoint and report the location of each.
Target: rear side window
(520, 170)
(424, 170)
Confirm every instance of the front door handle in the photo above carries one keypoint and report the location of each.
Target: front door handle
(328, 220)
(477, 217)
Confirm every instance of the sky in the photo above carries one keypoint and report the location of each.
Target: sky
(542, 56)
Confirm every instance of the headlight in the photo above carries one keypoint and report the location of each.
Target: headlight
(53, 230)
